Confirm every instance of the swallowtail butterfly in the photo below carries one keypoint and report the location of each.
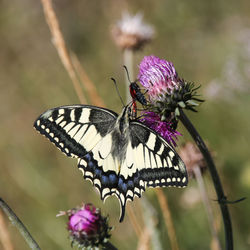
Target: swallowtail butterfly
(119, 155)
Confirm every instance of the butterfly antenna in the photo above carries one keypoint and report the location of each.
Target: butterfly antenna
(126, 69)
(117, 90)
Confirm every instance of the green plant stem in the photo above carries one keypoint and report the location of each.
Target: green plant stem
(215, 177)
(20, 226)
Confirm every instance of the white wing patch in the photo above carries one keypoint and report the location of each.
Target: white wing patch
(105, 146)
(151, 141)
(147, 163)
(90, 138)
(74, 130)
(109, 164)
(139, 157)
(129, 156)
(84, 118)
(69, 126)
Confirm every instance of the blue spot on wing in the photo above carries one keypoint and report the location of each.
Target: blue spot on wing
(105, 180)
(113, 178)
(122, 186)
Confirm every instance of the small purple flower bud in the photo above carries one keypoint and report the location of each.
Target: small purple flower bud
(164, 128)
(84, 220)
(158, 76)
(87, 227)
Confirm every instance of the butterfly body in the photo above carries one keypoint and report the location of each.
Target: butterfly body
(119, 155)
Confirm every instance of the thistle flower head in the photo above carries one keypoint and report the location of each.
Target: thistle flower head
(87, 227)
(158, 76)
(164, 128)
(131, 32)
(166, 91)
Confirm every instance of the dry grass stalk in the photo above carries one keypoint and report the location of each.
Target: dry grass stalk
(167, 218)
(59, 44)
(144, 240)
(133, 220)
(4, 235)
(215, 239)
(90, 88)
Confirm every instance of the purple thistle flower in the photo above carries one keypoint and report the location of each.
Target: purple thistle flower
(158, 76)
(167, 92)
(153, 121)
(85, 219)
(87, 227)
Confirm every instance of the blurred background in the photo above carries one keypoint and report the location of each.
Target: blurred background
(209, 44)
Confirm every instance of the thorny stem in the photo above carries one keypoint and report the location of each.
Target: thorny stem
(20, 226)
(222, 199)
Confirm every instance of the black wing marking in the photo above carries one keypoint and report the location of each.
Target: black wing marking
(76, 129)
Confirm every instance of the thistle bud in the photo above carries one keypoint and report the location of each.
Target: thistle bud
(131, 32)
(87, 227)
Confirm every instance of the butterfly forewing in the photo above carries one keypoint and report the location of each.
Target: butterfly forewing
(76, 129)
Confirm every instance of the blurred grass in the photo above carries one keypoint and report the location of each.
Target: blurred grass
(37, 180)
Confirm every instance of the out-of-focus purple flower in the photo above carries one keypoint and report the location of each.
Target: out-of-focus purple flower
(192, 158)
(164, 128)
(158, 76)
(87, 227)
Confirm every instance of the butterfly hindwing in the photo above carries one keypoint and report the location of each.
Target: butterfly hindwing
(100, 167)
(159, 164)
(150, 162)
